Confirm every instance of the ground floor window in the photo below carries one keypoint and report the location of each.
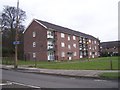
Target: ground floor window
(34, 55)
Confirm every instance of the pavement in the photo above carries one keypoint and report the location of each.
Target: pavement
(71, 73)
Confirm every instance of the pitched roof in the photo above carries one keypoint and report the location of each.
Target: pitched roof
(110, 44)
(64, 29)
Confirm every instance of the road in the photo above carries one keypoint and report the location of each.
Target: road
(49, 81)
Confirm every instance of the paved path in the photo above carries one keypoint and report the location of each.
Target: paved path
(77, 73)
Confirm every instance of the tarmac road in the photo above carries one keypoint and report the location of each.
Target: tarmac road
(49, 81)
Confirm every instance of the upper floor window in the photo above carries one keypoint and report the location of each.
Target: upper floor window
(50, 34)
(74, 45)
(95, 47)
(68, 37)
(69, 47)
(34, 34)
(62, 44)
(62, 35)
(74, 38)
(89, 41)
(34, 44)
(95, 42)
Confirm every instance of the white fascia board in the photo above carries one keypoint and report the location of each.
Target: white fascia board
(28, 26)
(40, 23)
(35, 21)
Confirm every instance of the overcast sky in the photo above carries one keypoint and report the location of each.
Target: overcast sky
(98, 18)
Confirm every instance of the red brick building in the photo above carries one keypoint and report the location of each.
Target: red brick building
(111, 48)
(47, 41)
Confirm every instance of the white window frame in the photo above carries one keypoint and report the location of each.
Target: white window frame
(62, 54)
(95, 42)
(90, 47)
(74, 45)
(74, 37)
(95, 47)
(34, 44)
(62, 35)
(34, 55)
(90, 53)
(34, 34)
(89, 41)
(69, 47)
(75, 53)
(96, 53)
(62, 44)
(68, 37)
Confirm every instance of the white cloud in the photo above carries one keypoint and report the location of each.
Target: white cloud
(96, 17)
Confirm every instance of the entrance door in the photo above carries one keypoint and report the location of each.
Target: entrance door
(93, 56)
(70, 58)
(50, 55)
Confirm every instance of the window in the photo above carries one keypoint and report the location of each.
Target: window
(74, 38)
(74, 45)
(89, 41)
(34, 34)
(50, 34)
(34, 55)
(75, 54)
(69, 47)
(95, 47)
(89, 47)
(90, 53)
(95, 42)
(62, 35)
(62, 54)
(95, 53)
(68, 37)
(34, 44)
(62, 44)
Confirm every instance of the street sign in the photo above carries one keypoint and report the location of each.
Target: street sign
(16, 42)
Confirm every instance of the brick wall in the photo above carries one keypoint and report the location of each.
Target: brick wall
(40, 39)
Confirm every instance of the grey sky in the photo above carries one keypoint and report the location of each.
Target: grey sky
(95, 17)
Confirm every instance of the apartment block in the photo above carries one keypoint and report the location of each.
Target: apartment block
(110, 48)
(47, 41)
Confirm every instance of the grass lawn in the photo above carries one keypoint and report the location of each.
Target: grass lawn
(110, 75)
(102, 63)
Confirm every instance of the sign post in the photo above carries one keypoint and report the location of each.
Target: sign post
(16, 37)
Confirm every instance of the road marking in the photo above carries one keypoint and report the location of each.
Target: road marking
(98, 80)
(72, 78)
(25, 85)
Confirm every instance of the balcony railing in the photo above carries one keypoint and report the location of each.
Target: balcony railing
(51, 48)
(50, 36)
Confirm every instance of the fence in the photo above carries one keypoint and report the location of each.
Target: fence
(8, 60)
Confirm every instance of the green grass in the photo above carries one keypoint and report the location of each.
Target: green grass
(102, 63)
(110, 75)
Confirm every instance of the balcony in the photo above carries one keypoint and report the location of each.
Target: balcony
(80, 41)
(80, 48)
(50, 36)
(50, 47)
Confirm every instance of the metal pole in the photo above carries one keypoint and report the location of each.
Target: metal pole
(16, 37)
(111, 64)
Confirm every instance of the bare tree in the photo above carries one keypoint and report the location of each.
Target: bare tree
(8, 18)
(8, 26)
